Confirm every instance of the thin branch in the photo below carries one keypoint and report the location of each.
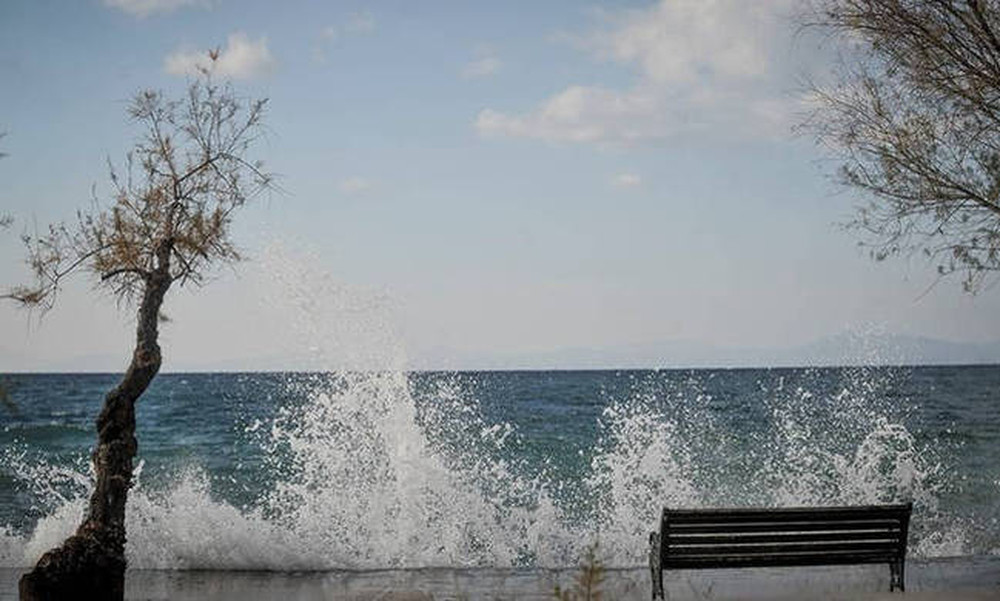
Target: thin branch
(142, 273)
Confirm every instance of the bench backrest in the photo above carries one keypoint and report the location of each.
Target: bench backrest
(794, 536)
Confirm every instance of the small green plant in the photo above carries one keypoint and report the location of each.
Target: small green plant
(589, 579)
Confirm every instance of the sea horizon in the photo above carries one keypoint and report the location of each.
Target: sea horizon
(443, 370)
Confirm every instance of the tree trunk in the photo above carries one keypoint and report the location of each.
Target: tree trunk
(91, 563)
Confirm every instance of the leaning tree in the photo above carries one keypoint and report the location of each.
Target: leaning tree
(914, 120)
(167, 223)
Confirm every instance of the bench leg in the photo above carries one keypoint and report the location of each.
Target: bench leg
(655, 569)
(896, 576)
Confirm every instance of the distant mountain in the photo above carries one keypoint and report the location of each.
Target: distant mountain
(841, 349)
(898, 349)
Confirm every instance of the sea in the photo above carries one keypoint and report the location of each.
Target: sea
(498, 484)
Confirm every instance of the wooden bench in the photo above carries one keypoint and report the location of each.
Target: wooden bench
(693, 539)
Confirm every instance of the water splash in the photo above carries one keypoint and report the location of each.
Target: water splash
(367, 487)
(641, 468)
(368, 477)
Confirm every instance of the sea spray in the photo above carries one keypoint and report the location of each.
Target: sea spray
(851, 447)
(361, 470)
(640, 466)
(369, 480)
(329, 325)
(365, 487)
(362, 465)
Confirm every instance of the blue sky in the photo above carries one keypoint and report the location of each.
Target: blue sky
(464, 182)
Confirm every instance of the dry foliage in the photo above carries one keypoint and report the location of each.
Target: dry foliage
(914, 120)
(589, 579)
(173, 201)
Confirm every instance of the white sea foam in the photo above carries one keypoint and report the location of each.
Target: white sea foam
(365, 484)
(643, 467)
(366, 489)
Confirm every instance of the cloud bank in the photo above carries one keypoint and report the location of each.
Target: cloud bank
(697, 64)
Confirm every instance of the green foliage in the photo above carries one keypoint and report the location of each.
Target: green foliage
(588, 581)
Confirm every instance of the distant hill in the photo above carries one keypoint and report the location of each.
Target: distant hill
(898, 349)
(841, 349)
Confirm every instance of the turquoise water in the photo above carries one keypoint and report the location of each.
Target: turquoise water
(497, 470)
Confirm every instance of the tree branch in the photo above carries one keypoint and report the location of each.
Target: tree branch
(142, 273)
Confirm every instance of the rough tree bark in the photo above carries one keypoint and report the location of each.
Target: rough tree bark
(91, 563)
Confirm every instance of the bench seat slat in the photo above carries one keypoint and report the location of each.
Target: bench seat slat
(752, 561)
(687, 538)
(789, 513)
(708, 528)
(887, 548)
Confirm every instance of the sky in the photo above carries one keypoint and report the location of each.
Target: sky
(468, 185)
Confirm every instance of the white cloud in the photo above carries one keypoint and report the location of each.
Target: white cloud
(698, 64)
(482, 67)
(684, 41)
(354, 185)
(144, 8)
(242, 58)
(580, 114)
(627, 180)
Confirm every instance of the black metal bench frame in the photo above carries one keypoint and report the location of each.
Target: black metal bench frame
(692, 539)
